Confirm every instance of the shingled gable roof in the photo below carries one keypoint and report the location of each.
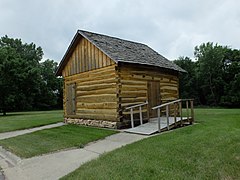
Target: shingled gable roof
(120, 50)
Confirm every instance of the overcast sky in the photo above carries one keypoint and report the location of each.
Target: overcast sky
(171, 27)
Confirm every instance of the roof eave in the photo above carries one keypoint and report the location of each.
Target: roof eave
(64, 59)
(180, 70)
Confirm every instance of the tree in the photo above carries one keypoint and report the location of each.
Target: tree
(210, 64)
(214, 78)
(231, 97)
(19, 74)
(50, 94)
(25, 83)
(187, 82)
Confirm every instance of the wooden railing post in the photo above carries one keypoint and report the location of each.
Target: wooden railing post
(175, 114)
(140, 113)
(192, 111)
(159, 123)
(167, 114)
(187, 111)
(132, 123)
(180, 111)
(148, 111)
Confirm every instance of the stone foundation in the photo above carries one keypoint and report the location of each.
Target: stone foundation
(95, 123)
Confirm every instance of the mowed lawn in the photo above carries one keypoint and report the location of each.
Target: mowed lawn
(25, 120)
(208, 150)
(51, 140)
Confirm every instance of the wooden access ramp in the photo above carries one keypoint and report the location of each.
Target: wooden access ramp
(166, 122)
(151, 127)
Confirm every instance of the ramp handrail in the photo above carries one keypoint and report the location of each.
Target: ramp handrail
(176, 110)
(140, 112)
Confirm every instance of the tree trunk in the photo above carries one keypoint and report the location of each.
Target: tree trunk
(211, 88)
(4, 113)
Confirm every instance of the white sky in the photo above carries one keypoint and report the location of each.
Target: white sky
(171, 27)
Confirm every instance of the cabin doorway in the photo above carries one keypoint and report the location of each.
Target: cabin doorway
(71, 99)
(154, 97)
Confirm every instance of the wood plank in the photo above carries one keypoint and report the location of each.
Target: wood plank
(104, 60)
(133, 88)
(97, 111)
(89, 56)
(93, 56)
(86, 76)
(68, 69)
(82, 55)
(136, 78)
(98, 98)
(139, 71)
(135, 111)
(85, 55)
(91, 75)
(170, 91)
(96, 86)
(152, 126)
(132, 103)
(108, 61)
(133, 100)
(107, 69)
(96, 58)
(173, 85)
(100, 54)
(100, 91)
(79, 58)
(132, 82)
(100, 80)
(132, 95)
(74, 63)
(100, 105)
(79, 80)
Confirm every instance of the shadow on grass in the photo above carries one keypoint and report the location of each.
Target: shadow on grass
(15, 114)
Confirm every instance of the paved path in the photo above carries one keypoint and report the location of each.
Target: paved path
(1, 176)
(26, 131)
(55, 165)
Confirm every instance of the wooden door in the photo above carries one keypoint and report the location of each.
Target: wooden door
(154, 97)
(71, 99)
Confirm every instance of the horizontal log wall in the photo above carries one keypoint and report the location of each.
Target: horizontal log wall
(85, 57)
(133, 87)
(96, 96)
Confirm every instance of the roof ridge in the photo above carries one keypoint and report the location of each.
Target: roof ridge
(113, 37)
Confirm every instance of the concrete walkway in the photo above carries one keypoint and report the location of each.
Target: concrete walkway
(26, 131)
(55, 165)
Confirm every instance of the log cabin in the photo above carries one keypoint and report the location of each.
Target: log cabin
(104, 75)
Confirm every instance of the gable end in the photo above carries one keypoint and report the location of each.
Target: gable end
(82, 56)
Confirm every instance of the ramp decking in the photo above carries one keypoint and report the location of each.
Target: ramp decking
(152, 126)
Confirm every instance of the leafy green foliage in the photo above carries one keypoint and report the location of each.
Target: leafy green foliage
(19, 73)
(188, 81)
(210, 72)
(213, 79)
(50, 94)
(24, 81)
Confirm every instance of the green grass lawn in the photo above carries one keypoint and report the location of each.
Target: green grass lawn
(207, 150)
(50, 140)
(24, 120)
